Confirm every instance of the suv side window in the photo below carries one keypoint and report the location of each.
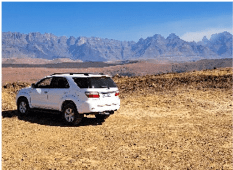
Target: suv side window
(59, 82)
(81, 82)
(44, 83)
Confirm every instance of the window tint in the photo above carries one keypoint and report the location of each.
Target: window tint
(59, 82)
(44, 83)
(95, 82)
(101, 82)
(81, 82)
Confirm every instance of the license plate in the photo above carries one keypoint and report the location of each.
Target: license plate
(107, 95)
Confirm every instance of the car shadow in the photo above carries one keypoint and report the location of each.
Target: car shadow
(49, 119)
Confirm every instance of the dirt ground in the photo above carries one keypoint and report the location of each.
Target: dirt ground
(169, 121)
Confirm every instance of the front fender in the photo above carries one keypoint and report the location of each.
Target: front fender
(26, 95)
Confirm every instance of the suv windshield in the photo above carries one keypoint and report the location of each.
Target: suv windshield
(94, 82)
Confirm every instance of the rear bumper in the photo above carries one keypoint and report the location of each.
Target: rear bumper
(90, 106)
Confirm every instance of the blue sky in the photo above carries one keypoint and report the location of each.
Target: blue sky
(118, 20)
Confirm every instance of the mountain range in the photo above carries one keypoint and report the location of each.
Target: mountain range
(49, 46)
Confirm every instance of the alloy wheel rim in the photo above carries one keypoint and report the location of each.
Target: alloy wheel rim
(23, 107)
(69, 115)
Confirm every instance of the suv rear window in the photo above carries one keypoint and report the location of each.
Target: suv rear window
(94, 82)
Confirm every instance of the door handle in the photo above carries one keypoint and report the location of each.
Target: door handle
(45, 92)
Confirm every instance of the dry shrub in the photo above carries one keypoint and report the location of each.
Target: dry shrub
(8, 100)
(9, 91)
(217, 78)
(15, 86)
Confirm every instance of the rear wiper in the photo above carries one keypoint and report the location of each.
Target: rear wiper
(104, 87)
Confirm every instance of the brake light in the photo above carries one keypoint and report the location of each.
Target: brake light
(92, 94)
(117, 93)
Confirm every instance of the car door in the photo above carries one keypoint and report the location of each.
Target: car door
(59, 89)
(39, 94)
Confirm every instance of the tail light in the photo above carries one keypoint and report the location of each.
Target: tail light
(117, 93)
(92, 94)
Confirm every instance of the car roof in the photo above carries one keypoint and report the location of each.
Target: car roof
(78, 75)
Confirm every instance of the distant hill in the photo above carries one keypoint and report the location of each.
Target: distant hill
(206, 64)
(49, 46)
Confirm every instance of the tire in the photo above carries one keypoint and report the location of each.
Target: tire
(23, 107)
(70, 115)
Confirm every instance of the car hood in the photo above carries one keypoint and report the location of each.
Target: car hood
(26, 89)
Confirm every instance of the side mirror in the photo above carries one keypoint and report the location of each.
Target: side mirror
(33, 85)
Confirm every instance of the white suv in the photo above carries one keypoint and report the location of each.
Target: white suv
(72, 94)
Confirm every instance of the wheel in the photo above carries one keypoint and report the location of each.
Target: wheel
(23, 107)
(99, 116)
(71, 115)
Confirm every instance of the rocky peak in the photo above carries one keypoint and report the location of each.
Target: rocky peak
(220, 36)
(81, 40)
(173, 36)
(50, 46)
(205, 39)
(158, 36)
(71, 41)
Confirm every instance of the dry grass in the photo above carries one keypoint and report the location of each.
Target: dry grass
(171, 121)
(9, 93)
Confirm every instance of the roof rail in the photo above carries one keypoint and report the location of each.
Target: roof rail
(86, 74)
